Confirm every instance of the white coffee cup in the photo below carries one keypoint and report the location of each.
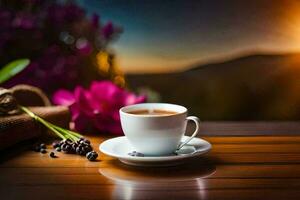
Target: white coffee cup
(156, 135)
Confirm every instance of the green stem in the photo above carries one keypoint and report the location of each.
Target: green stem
(44, 122)
(61, 132)
(77, 135)
(66, 132)
(49, 125)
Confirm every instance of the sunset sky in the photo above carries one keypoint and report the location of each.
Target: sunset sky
(163, 36)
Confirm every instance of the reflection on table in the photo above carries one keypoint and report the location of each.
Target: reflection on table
(138, 182)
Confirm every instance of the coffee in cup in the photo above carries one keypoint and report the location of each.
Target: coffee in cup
(156, 129)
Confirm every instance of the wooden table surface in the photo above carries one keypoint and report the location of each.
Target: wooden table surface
(238, 167)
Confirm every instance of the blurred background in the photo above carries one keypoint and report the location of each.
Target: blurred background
(224, 60)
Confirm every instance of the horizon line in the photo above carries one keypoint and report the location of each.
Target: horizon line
(221, 59)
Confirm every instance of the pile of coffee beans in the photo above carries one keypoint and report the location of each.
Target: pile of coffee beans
(81, 147)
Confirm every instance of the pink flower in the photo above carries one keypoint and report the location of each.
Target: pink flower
(98, 107)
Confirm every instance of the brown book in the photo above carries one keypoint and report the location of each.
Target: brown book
(17, 128)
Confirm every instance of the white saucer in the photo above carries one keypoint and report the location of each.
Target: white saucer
(119, 147)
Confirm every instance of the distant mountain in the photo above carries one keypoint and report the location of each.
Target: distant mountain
(252, 87)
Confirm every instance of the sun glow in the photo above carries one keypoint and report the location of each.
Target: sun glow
(107, 67)
(102, 61)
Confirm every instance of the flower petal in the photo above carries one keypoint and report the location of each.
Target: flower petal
(83, 100)
(104, 90)
(98, 107)
(133, 99)
(80, 122)
(63, 97)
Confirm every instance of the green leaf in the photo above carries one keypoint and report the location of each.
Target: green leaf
(13, 68)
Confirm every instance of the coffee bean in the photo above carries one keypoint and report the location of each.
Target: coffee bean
(67, 148)
(136, 154)
(74, 146)
(81, 142)
(58, 149)
(68, 141)
(89, 148)
(43, 151)
(82, 152)
(63, 146)
(42, 146)
(52, 155)
(78, 150)
(87, 141)
(92, 155)
(139, 154)
(55, 144)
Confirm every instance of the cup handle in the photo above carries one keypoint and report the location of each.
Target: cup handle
(196, 120)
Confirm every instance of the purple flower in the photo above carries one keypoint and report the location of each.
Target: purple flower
(24, 21)
(98, 106)
(59, 14)
(95, 21)
(84, 46)
(58, 37)
(108, 30)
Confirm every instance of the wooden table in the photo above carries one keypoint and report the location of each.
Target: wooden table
(238, 167)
